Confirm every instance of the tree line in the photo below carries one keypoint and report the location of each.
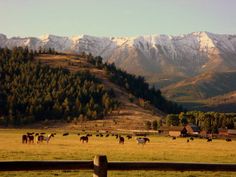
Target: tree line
(136, 85)
(209, 121)
(31, 91)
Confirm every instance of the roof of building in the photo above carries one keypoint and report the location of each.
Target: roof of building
(195, 128)
(176, 128)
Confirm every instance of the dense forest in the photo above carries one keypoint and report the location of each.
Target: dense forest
(136, 85)
(30, 91)
(209, 121)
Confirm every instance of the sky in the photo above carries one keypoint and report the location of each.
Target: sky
(116, 17)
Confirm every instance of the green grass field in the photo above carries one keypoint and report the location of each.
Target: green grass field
(159, 149)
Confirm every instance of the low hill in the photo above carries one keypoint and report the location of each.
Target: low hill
(130, 115)
(204, 89)
(222, 103)
(78, 89)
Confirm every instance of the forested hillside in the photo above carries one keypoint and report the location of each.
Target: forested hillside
(31, 91)
(137, 86)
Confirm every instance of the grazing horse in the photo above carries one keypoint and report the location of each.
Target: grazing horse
(42, 138)
(142, 140)
(209, 140)
(173, 138)
(228, 139)
(65, 134)
(146, 139)
(31, 139)
(121, 140)
(24, 139)
(84, 139)
(129, 136)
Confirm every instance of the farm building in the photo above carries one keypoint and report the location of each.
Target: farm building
(192, 129)
(177, 131)
(232, 132)
(223, 132)
(226, 132)
(163, 130)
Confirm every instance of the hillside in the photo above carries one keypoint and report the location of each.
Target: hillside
(202, 86)
(74, 89)
(171, 63)
(130, 115)
(222, 103)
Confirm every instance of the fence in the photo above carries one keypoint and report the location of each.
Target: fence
(100, 166)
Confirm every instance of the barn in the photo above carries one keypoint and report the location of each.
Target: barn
(232, 132)
(177, 131)
(222, 132)
(226, 132)
(192, 129)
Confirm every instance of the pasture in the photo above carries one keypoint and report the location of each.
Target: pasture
(159, 149)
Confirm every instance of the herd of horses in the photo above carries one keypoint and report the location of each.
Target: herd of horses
(121, 139)
(30, 138)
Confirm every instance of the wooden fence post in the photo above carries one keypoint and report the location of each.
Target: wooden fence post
(100, 166)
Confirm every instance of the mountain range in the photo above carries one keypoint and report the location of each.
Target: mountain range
(191, 69)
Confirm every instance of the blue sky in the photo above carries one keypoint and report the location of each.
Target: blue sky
(116, 17)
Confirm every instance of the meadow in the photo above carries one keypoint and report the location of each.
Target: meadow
(159, 149)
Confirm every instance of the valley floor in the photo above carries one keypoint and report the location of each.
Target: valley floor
(159, 149)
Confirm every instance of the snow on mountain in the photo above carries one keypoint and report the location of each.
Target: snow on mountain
(165, 55)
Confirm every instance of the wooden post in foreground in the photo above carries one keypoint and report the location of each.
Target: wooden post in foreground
(100, 166)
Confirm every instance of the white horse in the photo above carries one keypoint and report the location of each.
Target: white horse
(141, 141)
(42, 138)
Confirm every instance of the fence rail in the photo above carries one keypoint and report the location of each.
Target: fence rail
(100, 166)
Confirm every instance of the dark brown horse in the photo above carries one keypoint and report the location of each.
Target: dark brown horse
(84, 139)
(40, 139)
(129, 136)
(121, 140)
(31, 139)
(146, 139)
(24, 139)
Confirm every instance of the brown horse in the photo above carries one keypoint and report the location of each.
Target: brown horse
(31, 139)
(146, 139)
(121, 140)
(84, 139)
(24, 139)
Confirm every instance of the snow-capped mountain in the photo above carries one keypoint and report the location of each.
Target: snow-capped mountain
(160, 58)
(189, 67)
